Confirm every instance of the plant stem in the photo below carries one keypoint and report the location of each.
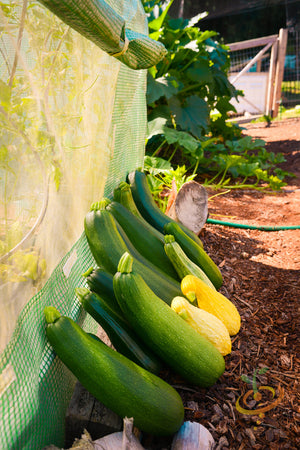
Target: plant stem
(224, 174)
(189, 88)
(189, 63)
(156, 152)
(254, 384)
(196, 167)
(173, 153)
(21, 29)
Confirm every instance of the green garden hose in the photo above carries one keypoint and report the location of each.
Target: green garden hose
(253, 227)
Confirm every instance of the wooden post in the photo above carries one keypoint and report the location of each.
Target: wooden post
(271, 81)
(282, 42)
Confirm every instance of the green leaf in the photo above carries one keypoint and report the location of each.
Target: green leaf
(161, 87)
(205, 35)
(155, 165)
(281, 174)
(247, 169)
(155, 35)
(207, 142)
(224, 106)
(221, 84)
(200, 71)
(156, 126)
(263, 370)
(192, 116)
(246, 379)
(178, 24)
(154, 183)
(182, 138)
(152, 71)
(156, 24)
(275, 183)
(5, 94)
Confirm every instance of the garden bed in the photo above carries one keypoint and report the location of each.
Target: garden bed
(261, 273)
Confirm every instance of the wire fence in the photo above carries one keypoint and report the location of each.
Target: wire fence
(290, 92)
(258, 75)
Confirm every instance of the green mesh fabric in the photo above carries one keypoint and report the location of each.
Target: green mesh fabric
(106, 27)
(35, 387)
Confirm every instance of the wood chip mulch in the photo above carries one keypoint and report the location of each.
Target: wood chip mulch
(261, 272)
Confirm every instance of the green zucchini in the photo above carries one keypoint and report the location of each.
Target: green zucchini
(196, 253)
(148, 208)
(181, 262)
(114, 380)
(177, 344)
(148, 241)
(101, 282)
(120, 333)
(122, 194)
(107, 247)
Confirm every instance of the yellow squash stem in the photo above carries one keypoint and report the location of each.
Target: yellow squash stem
(213, 302)
(205, 323)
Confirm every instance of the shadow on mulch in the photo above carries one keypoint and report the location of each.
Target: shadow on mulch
(267, 298)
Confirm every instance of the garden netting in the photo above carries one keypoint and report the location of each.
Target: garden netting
(72, 125)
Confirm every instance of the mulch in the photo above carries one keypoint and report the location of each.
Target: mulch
(261, 272)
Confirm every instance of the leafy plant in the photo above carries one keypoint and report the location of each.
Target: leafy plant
(191, 82)
(188, 96)
(161, 176)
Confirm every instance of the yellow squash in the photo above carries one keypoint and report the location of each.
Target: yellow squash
(205, 323)
(212, 301)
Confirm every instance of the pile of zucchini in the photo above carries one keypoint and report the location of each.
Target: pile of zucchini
(144, 260)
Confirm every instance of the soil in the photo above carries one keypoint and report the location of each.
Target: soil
(261, 271)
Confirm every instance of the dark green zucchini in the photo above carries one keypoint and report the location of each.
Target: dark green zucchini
(107, 247)
(148, 208)
(148, 241)
(122, 194)
(114, 380)
(120, 333)
(101, 282)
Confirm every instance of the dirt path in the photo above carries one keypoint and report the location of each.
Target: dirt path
(261, 273)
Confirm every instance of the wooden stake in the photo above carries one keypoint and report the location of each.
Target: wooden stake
(271, 81)
(282, 42)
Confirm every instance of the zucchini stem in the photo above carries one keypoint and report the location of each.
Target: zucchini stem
(88, 272)
(184, 314)
(125, 263)
(169, 238)
(51, 314)
(192, 298)
(81, 292)
(101, 205)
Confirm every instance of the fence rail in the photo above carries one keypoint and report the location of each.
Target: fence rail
(267, 71)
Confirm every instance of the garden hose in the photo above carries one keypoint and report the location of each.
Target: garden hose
(253, 227)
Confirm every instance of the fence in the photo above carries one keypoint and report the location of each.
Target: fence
(267, 71)
(290, 91)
